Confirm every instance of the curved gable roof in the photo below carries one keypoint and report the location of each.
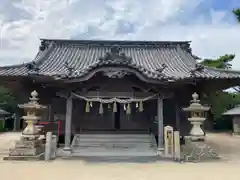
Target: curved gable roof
(154, 59)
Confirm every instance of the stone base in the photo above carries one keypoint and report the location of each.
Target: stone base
(196, 151)
(160, 151)
(26, 149)
(64, 152)
(29, 143)
(25, 158)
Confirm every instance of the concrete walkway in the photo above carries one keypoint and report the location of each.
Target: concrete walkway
(228, 147)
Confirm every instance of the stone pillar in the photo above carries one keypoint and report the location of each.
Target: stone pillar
(177, 151)
(48, 146)
(68, 123)
(168, 141)
(160, 123)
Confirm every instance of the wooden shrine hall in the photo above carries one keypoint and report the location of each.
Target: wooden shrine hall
(101, 86)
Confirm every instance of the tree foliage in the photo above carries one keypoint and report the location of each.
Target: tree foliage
(223, 62)
(236, 12)
(221, 101)
(7, 100)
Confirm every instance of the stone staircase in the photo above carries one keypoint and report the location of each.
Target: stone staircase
(114, 145)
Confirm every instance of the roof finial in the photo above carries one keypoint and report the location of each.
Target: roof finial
(43, 45)
(32, 67)
(198, 68)
(115, 49)
(160, 70)
(70, 69)
(114, 56)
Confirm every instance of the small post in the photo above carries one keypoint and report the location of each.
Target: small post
(168, 141)
(48, 146)
(177, 152)
(54, 146)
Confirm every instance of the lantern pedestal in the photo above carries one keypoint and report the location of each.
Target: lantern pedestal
(196, 151)
(30, 146)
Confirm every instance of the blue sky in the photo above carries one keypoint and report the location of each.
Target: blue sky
(209, 24)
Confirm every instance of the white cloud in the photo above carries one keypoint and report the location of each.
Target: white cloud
(152, 20)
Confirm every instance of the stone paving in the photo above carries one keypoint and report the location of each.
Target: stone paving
(7, 140)
(227, 146)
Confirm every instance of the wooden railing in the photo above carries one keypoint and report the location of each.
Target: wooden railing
(49, 126)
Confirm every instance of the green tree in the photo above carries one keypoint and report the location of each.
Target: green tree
(7, 100)
(236, 12)
(228, 100)
(223, 62)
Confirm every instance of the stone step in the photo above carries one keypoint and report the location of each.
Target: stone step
(111, 152)
(109, 145)
(119, 138)
(113, 140)
(113, 135)
(114, 146)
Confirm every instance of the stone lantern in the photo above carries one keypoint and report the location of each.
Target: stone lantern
(32, 109)
(30, 146)
(197, 117)
(195, 147)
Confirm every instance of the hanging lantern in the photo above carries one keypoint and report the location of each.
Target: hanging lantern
(128, 108)
(124, 107)
(114, 107)
(141, 106)
(91, 105)
(109, 106)
(87, 107)
(101, 108)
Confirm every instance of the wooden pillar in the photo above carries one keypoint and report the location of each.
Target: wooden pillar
(177, 117)
(160, 123)
(17, 121)
(68, 123)
(14, 122)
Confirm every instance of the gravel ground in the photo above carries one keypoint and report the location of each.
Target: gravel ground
(227, 146)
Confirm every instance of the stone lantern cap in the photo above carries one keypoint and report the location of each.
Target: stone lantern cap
(33, 103)
(195, 105)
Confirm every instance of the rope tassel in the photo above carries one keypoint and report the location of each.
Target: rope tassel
(128, 108)
(114, 107)
(87, 107)
(101, 108)
(141, 106)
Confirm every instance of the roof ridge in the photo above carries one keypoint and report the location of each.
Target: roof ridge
(117, 42)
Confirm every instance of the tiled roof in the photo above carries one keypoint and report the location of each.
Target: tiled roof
(234, 111)
(154, 59)
(3, 112)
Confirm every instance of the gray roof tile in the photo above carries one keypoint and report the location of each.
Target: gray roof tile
(146, 57)
(234, 111)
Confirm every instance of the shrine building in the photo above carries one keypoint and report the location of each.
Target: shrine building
(114, 87)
